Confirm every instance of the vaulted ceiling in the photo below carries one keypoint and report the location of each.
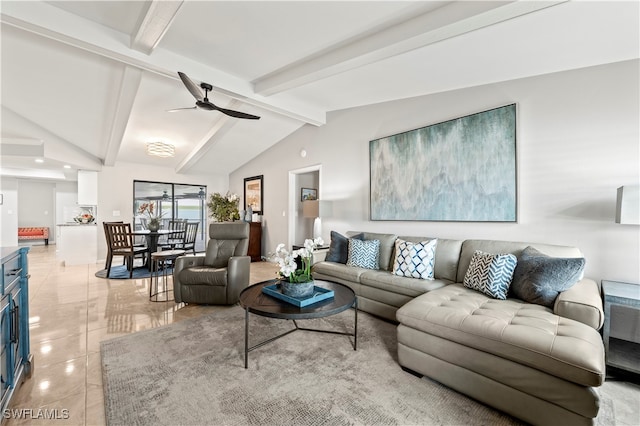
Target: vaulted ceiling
(88, 83)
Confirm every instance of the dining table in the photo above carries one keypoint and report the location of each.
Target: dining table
(152, 238)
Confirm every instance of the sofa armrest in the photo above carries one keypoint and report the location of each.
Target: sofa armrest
(582, 303)
(238, 271)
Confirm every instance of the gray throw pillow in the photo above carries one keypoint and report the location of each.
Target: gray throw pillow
(539, 278)
(339, 247)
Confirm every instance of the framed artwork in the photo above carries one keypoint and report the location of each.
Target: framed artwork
(308, 194)
(458, 170)
(253, 194)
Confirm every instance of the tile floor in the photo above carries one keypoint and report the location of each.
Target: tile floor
(70, 313)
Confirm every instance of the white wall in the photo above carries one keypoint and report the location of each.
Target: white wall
(66, 202)
(36, 206)
(115, 191)
(9, 212)
(578, 140)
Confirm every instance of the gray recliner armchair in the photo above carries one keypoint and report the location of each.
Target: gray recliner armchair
(218, 277)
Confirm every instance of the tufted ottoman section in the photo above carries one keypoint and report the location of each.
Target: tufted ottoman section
(523, 333)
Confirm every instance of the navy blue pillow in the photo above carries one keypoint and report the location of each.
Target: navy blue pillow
(339, 248)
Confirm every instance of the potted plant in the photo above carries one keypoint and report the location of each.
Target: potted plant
(297, 282)
(224, 208)
(153, 221)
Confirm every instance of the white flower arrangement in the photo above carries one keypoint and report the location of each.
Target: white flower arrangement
(287, 261)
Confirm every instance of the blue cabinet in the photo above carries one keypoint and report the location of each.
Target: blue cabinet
(16, 361)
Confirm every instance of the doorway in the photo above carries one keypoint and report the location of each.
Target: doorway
(302, 181)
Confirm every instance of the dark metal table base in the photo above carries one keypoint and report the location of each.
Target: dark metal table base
(248, 349)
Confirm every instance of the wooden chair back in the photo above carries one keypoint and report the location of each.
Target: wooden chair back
(190, 235)
(119, 237)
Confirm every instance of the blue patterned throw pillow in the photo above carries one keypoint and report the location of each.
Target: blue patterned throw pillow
(490, 274)
(415, 260)
(364, 254)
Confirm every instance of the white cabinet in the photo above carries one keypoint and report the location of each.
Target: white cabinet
(87, 187)
(77, 244)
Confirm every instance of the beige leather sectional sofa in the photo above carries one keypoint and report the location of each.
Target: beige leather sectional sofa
(539, 364)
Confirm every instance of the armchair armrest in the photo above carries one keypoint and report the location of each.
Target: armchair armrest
(181, 263)
(186, 262)
(582, 303)
(237, 276)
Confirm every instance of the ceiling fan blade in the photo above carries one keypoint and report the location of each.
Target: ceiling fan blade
(191, 86)
(181, 109)
(237, 114)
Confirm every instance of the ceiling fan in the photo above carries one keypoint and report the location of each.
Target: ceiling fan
(202, 101)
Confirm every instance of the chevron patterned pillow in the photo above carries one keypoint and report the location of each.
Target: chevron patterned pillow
(415, 260)
(364, 254)
(490, 274)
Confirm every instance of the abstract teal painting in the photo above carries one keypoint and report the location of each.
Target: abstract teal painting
(458, 170)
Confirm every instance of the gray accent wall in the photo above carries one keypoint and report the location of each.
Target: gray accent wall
(577, 141)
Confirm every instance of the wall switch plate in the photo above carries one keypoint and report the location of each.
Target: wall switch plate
(116, 213)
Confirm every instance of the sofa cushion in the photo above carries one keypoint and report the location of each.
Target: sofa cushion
(512, 329)
(413, 287)
(539, 278)
(387, 244)
(30, 232)
(490, 274)
(339, 247)
(415, 260)
(339, 271)
(364, 254)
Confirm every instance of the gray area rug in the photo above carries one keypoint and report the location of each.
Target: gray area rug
(192, 373)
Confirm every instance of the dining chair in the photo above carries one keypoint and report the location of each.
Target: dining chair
(176, 238)
(190, 235)
(107, 237)
(120, 243)
(135, 244)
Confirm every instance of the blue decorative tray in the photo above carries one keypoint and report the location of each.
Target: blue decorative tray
(319, 294)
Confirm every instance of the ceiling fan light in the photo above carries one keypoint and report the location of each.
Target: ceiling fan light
(161, 149)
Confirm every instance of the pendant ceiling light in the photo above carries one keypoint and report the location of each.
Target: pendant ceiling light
(201, 193)
(161, 149)
(165, 196)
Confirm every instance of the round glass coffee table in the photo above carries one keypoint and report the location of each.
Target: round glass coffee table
(254, 301)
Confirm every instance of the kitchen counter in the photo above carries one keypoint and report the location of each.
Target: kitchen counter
(77, 243)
